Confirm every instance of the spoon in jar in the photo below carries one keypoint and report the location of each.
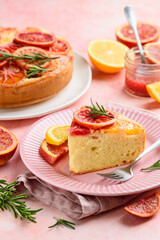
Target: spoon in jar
(131, 17)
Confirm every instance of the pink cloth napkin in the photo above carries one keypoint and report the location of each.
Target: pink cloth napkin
(72, 204)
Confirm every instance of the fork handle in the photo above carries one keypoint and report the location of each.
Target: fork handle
(131, 17)
(146, 151)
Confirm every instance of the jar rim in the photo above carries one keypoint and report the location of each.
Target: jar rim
(136, 50)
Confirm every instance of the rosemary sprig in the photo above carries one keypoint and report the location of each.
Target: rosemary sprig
(12, 202)
(36, 69)
(156, 165)
(63, 222)
(31, 58)
(98, 110)
(5, 55)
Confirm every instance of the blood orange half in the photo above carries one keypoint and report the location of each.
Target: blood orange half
(152, 51)
(84, 118)
(8, 145)
(145, 207)
(39, 39)
(147, 32)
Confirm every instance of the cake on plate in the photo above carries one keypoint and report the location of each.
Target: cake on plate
(34, 65)
(98, 141)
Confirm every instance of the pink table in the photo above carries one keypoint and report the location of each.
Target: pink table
(78, 21)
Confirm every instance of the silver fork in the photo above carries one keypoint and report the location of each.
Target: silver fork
(125, 173)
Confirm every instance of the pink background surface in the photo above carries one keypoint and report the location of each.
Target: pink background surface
(79, 22)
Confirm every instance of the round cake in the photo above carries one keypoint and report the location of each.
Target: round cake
(34, 66)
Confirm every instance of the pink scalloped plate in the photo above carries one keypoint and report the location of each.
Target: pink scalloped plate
(90, 183)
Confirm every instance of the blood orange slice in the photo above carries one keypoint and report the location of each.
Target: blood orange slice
(12, 47)
(8, 145)
(30, 50)
(3, 62)
(60, 47)
(152, 51)
(83, 118)
(51, 153)
(11, 74)
(147, 32)
(145, 207)
(39, 39)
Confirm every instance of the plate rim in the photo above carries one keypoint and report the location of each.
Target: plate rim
(62, 106)
(56, 184)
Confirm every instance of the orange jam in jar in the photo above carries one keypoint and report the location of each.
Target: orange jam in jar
(138, 74)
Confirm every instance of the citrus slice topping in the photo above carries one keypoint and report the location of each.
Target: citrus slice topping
(147, 32)
(8, 145)
(39, 39)
(60, 46)
(83, 118)
(153, 52)
(11, 74)
(7, 35)
(31, 50)
(3, 62)
(51, 153)
(12, 47)
(145, 207)
(107, 55)
(57, 134)
(77, 129)
(153, 90)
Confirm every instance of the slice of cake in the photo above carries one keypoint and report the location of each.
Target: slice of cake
(97, 141)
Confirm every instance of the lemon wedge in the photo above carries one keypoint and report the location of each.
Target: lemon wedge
(153, 90)
(57, 134)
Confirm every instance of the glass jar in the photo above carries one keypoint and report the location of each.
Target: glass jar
(138, 74)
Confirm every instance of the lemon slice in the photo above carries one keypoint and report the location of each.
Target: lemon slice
(107, 55)
(153, 90)
(57, 134)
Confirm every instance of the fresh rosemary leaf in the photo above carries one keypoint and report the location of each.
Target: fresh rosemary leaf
(5, 55)
(156, 165)
(12, 202)
(63, 222)
(98, 110)
(33, 57)
(36, 69)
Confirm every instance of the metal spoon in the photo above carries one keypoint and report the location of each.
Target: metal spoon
(131, 17)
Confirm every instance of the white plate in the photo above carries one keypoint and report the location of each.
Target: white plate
(78, 85)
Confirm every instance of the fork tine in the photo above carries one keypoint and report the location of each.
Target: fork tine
(106, 174)
(110, 175)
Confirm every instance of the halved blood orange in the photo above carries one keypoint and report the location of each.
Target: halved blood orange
(83, 118)
(39, 39)
(11, 74)
(3, 62)
(51, 153)
(147, 32)
(8, 145)
(60, 46)
(152, 51)
(30, 50)
(145, 207)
